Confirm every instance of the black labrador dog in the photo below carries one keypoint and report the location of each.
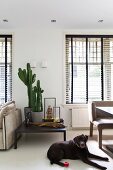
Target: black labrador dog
(73, 149)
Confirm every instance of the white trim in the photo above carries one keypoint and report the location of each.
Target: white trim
(72, 106)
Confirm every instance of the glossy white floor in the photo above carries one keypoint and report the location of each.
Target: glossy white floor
(32, 149)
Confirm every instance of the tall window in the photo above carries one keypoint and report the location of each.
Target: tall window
(5, 68)
(89, 68)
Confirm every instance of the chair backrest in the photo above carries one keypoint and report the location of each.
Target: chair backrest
(94, 114)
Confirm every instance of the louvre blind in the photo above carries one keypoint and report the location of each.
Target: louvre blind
(5, 68)
(108, 67)
(88, 68)
(94, 69)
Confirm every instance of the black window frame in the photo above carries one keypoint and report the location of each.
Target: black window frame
(71, 36)
(6, 36)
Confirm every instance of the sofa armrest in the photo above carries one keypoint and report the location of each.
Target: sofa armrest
(18, 117)
(10, 123)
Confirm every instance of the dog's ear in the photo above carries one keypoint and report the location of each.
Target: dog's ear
(76, 139)
(86, 137)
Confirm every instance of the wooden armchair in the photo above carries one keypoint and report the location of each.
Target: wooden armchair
(100, 120)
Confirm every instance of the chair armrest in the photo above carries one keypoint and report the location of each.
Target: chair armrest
(90, 111)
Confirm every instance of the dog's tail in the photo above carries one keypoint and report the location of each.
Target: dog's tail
(58, 163)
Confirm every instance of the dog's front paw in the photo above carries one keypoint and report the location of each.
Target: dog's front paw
(106, 159)
(103, 168)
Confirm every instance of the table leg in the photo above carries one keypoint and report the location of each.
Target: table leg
(15, 140)
(64, 135)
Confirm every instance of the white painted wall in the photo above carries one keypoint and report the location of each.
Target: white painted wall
(39, 45)
(31, 45)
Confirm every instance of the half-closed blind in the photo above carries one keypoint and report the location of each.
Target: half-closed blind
(108, 67)
(75, 70)
(5, 68)
(88, 68)
(94, 69)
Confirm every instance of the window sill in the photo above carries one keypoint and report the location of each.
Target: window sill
(72, 106)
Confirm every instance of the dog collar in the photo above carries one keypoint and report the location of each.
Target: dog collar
(77, 145)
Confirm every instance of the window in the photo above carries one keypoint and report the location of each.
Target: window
(89, 68)
(5, 68)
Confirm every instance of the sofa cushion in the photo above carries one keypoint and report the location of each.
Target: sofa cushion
(5, 110)
(7, 103)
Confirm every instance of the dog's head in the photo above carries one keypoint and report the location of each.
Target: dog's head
(80, 141)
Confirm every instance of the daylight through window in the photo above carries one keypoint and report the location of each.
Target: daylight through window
(89, 68)
(5, 68)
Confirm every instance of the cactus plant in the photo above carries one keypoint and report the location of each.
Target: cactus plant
(28, 78)
(37, 98)
(34, 93)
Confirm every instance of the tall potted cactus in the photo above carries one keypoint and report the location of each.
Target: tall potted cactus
(37, 105)
(28, 78)
(34, 92)
(37, 97)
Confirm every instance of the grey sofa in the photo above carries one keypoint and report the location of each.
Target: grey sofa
(10, 119)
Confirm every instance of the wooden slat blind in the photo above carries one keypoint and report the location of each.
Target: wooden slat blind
(5, 68)
(89, 68)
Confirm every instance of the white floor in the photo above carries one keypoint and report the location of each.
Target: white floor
(32, 149)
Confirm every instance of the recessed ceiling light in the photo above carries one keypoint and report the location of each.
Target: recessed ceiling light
(100, 20)
(5, 20)
(53, 20)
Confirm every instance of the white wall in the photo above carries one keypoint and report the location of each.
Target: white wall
(31, 45)
(39, 45)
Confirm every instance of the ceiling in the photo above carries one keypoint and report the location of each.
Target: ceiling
(69, 14)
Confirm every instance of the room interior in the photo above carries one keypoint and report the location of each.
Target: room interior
(38, 30)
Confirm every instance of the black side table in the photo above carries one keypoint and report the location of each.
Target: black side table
(36, 129)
